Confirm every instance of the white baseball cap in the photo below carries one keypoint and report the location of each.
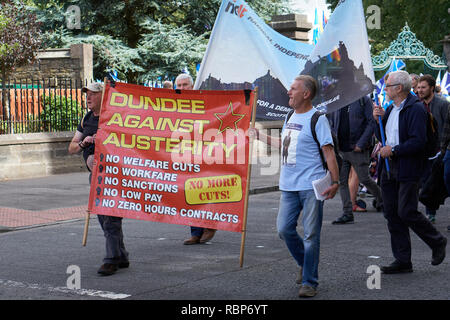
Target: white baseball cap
(94, 87)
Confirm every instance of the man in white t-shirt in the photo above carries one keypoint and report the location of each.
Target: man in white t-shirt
(303, 164)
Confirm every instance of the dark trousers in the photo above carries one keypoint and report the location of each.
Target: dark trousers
(423, 180)
(196, 231)
(400, 199)
(112, 230)
(447, 170)
(359, 161)
(115, 247)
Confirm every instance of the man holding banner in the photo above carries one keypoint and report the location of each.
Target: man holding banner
(198, 235)
(303, 166)
(83, 140)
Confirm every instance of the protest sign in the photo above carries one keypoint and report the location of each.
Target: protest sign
(173, 156)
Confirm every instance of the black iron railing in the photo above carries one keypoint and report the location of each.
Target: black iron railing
(41, 105)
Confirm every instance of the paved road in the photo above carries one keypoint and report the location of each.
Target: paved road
(34, 261)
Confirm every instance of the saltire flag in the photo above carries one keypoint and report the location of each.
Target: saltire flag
(244, 52)
(396, 64)
(380, 92)
(318, 26)
(445, 84)
(383, 98)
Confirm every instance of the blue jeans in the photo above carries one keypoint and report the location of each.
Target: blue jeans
(447, 170)
(304, 250)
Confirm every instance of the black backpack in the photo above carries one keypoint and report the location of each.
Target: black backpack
(314, 119)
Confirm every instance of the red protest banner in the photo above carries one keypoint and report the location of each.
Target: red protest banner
(173, 157)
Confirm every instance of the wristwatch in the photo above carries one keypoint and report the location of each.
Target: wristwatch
(393, 152)
(335, 182)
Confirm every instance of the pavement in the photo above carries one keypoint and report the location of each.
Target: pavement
(41, 229)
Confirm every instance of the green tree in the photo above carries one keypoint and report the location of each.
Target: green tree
(167, 49)
(59, 113)
(20, 38)
(140, 38)
(3, 23)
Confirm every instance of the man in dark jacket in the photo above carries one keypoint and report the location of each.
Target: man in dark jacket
(438, 108)
(405, 127)
(354, 125)
(84, 141)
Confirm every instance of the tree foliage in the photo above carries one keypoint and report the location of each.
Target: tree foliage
(140, 38)
(3, 23)
(20, 36)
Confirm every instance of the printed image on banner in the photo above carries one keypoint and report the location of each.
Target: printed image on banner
(341, 61)
(179, 158)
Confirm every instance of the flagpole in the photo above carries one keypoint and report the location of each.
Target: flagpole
(244, 220)
(383, 138)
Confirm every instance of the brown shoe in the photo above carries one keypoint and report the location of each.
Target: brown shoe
(192, 240)
(307, 292)
(107, 269)
(208, 234)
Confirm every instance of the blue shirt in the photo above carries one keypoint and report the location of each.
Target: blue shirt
(301, 162)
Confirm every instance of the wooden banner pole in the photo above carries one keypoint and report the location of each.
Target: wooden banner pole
(86, 227)
(244, 220)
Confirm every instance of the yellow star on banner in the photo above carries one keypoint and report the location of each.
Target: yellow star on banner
(226, 119)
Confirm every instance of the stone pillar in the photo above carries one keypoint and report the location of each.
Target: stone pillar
(446, 42)
(84, 52)
(294, 26)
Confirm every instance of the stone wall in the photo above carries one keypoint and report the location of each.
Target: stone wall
(75, 62)
(36, 155)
